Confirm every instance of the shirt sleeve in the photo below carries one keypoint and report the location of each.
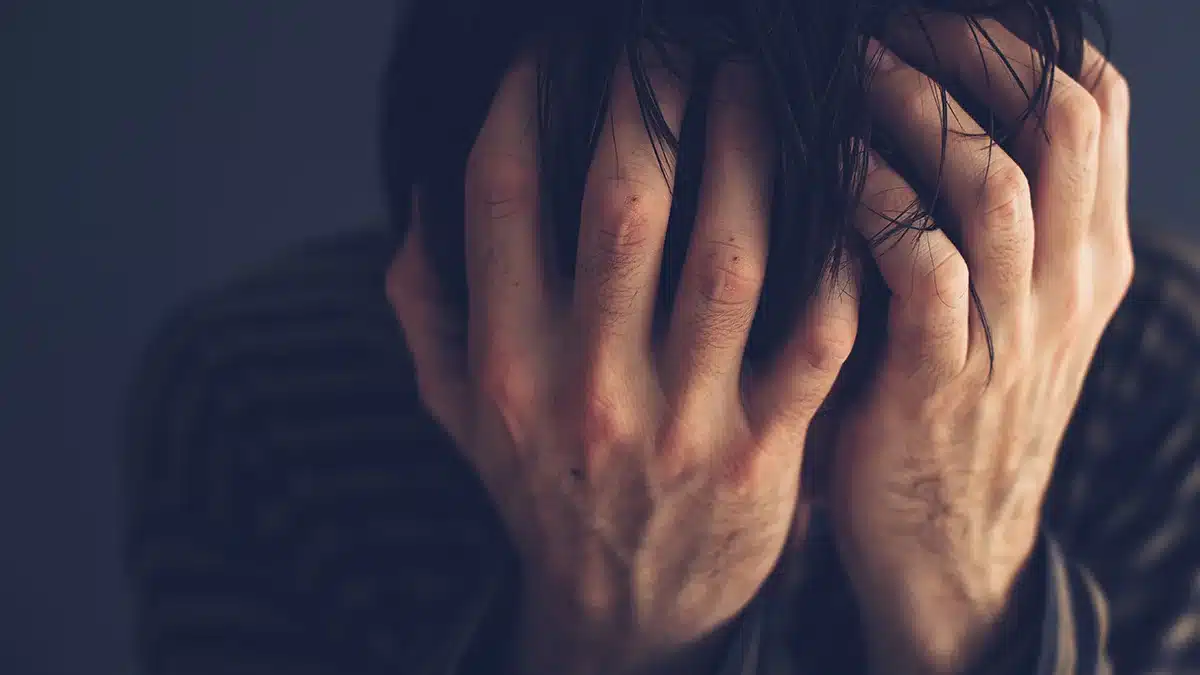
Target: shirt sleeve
(1124, 504)
(206, 597)
(1057, 623)
(743, 654)
(1113, 585)
(291, 510)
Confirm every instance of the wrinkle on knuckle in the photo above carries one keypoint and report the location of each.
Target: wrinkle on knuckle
(728, 276)
(946, 281)
(619, 245)
(1006, 200)
(825, 356)
(1003, 235)
(828, 343)
(626, 219)
(624, 222)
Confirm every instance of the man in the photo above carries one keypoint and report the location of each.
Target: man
(663, 261)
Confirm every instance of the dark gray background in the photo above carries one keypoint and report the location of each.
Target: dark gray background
(149, 149)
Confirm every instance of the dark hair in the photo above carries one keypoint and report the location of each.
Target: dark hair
(450, 56)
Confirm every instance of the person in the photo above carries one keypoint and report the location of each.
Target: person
(754, 337)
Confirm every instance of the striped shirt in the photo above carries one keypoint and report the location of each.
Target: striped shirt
(293, 510)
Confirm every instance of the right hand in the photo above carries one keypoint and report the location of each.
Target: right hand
(649, 486)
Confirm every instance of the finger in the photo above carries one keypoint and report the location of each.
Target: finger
(626, 205)
(1111, 92)
(930, 307)
(998, 68)
(782, 402)
(411, 288)
(727, 255)
(505, 270)
(985, 189)
(1057, 145)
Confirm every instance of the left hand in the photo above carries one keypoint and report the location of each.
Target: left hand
(940, 473)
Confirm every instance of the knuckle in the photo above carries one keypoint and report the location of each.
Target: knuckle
(826, 354)
(1007, 201)
(624, 221)
(1074, 120)
(619, 244)
(828, 344)
(945, 281)
(1007, 195)
(729, 277)
(1006, 230)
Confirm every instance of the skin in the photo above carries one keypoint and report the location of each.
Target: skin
(650, 487)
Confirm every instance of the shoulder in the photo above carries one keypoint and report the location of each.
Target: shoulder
(292, 378)
(278, 452)
(335, 284)
(314, 317)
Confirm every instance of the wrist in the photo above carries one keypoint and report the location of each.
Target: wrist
(942, 628)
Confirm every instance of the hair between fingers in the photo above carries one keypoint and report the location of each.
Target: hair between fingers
(811, 57)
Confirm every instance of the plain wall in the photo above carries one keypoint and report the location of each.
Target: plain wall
(149, 149)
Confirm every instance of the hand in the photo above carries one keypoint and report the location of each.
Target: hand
(648, 488)
(940, 473)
